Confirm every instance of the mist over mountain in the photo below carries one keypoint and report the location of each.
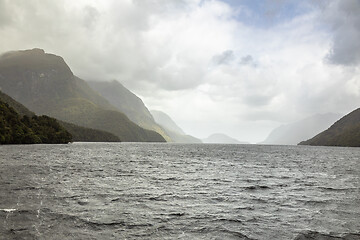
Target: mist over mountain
(222, 138)
(165, 120)
(293, 133)
(129, 104)
(173, 130)
(344, 132)
(45, 84)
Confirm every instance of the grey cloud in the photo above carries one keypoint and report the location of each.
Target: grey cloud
(224, 58)
(90, 17)
(344, 19)
(248, 60)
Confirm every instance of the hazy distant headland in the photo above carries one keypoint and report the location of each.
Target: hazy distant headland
(222, 139)
(293, 133)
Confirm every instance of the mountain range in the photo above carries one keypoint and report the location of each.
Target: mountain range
(45, 84)
(293, 133)
(34, 82)
(129, 104)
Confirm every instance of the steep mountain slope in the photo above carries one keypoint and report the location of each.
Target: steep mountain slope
(17, 129)
(79, 134)
(82, 134)
(173, 130)
(18, 107)
(222, 138)
(129, 104)
(293, 133)
(45, 84)
(345, 132)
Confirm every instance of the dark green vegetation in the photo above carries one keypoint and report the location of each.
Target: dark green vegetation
(18, 107)
(345, 132)
(79, 134)
(17, 129)
(45, 84)
(130, 104)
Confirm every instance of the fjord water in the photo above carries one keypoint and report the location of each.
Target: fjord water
(174, 191)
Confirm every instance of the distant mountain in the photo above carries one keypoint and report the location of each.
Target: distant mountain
(345, 132)
(164, 120)
(21, 129)
(79, 134)
(293, 133)
(221, 138)
(173, 130)
(45, 84)
(129, 104)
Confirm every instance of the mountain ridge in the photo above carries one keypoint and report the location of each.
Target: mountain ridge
(129, 104)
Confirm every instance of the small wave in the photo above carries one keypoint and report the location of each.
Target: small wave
(245, 208)
(335, 189)
(8, 209)
(311, 235)
(177, 214)
(229, 220)
(257, 187)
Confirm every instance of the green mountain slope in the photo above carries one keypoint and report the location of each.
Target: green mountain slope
(17, 129)
(345, 132)
(45, 84)
(82, 134)
(79, 134)
(18, 107)
(129, 104)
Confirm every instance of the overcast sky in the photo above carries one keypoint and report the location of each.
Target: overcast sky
(240, 67)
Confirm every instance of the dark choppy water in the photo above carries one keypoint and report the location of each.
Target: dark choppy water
(171, 191)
